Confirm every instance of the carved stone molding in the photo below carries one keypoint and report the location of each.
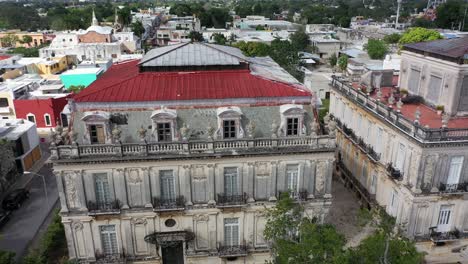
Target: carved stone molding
(201, 218)
(138, 221)
(134, 176)
(78, 226)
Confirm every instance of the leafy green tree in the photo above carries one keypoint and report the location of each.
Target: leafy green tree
(343, 62)
(76, 88)
(414, 35)
(219, 38)
(376, 49)
(333, 60)
(214, 17)
(259, 28)
(137, 28)
(9, 40)
(451, 14)
(125, 16)
(295, 238)
(26, 39)
(196, 36)
(392, 38)
(7, 257)
(26, 52)
(300, 40)
(254, 49)
(386, 245)
(423, 23)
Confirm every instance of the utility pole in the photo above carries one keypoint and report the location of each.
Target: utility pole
(398, 14)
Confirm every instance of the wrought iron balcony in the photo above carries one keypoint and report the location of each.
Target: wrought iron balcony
(101, 208)
(453, 188)
(110, 258)
(160, 150)
(440, 237)
(300, 195)
(372, 154)
(231, 251)
(394, 173)
(225, 200)
(174, 204)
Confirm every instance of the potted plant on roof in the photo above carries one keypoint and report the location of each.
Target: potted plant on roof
(403, 93)
(440, 109)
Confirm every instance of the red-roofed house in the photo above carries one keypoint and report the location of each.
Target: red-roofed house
(195, 134)
(401, 152)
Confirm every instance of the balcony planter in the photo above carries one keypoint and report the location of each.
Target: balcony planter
(393, 172)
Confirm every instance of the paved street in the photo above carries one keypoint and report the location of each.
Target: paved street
(17, 234)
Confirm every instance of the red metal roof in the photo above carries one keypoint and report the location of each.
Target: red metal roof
(124, 83)
(4, 57)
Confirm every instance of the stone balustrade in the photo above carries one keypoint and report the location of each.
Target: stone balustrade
(392, 116)
(171, 149)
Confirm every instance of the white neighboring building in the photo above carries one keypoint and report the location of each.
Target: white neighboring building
(95, 43)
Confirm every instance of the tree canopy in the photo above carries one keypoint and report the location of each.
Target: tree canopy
(419, 34)
(451, 14)
(300, 40)
(376, 49)
(295, 238)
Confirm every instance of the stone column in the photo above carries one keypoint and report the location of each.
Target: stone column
(328, 179)
(67, 225)
(120, 187)
(215, 234)
(301, 175)
(146, 187)
(311, 183)
(250, 180)
(281, 177)
(320, 175)
(185, 185)
(61, 191)
(272, 187)
(81, 188)
(127, 236)
(88, 234)
(214, 185)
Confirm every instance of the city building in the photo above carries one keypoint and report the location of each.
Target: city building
(47, 66)
(23, 139)
(37, 100)
(174, 158)
(37, 38)
(174, 29)
(95, 43)
(404, 148)
(81, 76)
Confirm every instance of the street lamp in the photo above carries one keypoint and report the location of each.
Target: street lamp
(43, 181)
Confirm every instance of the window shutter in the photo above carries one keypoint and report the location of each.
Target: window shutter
(102, 189)
(167, 185)
(401, 156)
(292, 172)
(435, 84)
(413, 84)
(456, 164)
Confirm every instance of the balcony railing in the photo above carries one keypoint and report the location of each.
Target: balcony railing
(300, 195)
(100, 208)
(230, 251)
(391, 116)
(394, 173)
(453, 188)
(175, 204)
(439, 237)
(227, 200)
(171, 149)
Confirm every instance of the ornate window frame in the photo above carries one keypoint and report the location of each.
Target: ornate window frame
(292, 111)
(97, 118)
(229, 113)
(164, 115)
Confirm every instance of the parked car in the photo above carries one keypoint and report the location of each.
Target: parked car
(14, 199)
(4, 217)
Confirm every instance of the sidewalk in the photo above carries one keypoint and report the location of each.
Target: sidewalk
(23, 180)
